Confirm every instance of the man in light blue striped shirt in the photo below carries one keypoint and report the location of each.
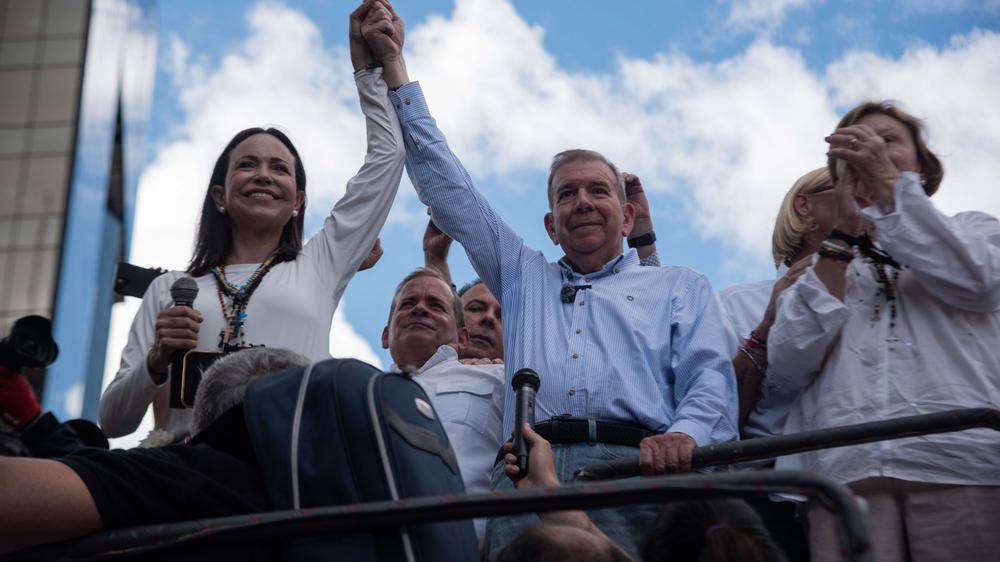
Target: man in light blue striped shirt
(638, 346)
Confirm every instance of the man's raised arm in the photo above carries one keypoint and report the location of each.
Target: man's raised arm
(442, 183)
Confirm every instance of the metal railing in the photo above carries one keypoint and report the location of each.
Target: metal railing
(376, 516)
(829, 438)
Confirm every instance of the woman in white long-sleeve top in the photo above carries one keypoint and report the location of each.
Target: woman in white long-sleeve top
(915, 331)
(258, 284)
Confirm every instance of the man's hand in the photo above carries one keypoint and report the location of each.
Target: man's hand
(436, 246)
(436, 243)
(541, 467)
(635, 194)
(383, 30)
(373, 256)
(667, 453)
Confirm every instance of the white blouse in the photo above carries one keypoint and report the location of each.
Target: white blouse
(293, 306)
(943, 351)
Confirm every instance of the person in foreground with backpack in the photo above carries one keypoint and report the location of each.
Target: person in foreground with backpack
(215, 474)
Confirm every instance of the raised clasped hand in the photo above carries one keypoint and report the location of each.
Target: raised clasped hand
(383, 31)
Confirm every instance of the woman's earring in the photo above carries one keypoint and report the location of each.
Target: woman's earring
(295, 212)
(222, 210)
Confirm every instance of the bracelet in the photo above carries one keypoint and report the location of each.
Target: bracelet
(753, 360)
(828, 249)
(157, 376)
(756, 341)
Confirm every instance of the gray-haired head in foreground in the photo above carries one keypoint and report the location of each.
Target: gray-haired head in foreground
(224, 384)
(577, 154)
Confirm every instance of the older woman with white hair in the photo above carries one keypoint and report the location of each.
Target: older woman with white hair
(908, 325)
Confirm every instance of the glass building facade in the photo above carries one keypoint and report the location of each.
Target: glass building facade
(76, 83)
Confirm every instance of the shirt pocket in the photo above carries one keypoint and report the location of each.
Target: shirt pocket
(467, 402)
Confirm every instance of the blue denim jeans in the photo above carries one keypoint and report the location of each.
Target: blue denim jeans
(627, 525)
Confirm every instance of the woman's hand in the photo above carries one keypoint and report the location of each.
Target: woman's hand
(176, 329)
(850, 190)
(361, 55)
(783, 282)
(864, 152)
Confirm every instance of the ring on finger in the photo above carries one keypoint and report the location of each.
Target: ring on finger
(854, 141)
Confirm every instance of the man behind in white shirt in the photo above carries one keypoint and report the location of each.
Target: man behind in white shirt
(424, 333)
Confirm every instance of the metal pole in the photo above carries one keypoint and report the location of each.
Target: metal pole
(770, 447)
(366, 517)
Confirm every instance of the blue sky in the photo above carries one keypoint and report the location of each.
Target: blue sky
(718, 106)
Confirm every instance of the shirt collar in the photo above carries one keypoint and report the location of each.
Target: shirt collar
(617, 264)
(443, 353)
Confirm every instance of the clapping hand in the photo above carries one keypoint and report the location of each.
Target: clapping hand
(862, 151)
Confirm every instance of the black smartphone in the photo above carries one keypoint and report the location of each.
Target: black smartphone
(132, 280)
(184, 384)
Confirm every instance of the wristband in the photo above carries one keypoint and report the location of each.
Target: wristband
(645, 240)
(158, 377)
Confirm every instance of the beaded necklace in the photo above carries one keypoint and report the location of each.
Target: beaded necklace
(239, 297)
(887, 288)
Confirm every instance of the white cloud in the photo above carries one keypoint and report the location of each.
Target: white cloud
(760, 15)
(727, 137)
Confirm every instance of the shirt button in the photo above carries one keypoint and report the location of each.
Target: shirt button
(581, 303)
(571, 392)
(576, 356)
(616, 270)
(407, 101)
(399, 106)
(578, 330)
(586, 280)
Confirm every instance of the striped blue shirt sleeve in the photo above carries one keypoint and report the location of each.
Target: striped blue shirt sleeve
(444, 185)
(704, 382)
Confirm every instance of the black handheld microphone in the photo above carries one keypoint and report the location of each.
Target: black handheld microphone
(526, 383)
(567, 294)
(183, 291)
